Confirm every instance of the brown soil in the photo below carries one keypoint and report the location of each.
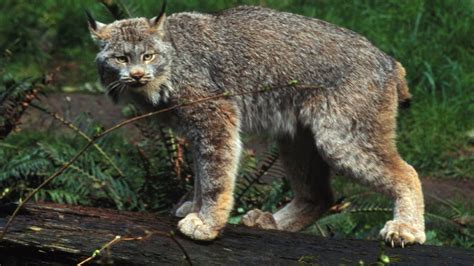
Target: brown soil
(98, 108)
(448, 189)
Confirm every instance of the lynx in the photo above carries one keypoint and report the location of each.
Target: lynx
(345, 124)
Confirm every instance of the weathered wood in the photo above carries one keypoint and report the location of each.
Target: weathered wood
(58, 234)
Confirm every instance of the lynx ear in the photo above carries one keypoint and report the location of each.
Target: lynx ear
(96, 28)
(158, 22)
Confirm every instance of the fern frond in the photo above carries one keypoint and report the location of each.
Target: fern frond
(371, 209)
(252, 177)
(22, 167)
(76, 129)
(55, 156)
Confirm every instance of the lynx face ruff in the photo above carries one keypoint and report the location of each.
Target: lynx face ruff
(346, 124)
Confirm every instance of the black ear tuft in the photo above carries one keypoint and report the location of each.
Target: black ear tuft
(162, 12)
(91, 20)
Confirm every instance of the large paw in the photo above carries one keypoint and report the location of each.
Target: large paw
(259, 219)
(194, 227)
(400, 234)
(184, 209)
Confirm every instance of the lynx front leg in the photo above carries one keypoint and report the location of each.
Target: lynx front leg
(407, 226)
(214, 135)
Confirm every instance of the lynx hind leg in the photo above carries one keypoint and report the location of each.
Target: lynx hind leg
(309, 179)
(188, 206)
(362, 146)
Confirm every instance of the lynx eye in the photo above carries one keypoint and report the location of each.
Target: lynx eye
(121, 59)
(148, 57)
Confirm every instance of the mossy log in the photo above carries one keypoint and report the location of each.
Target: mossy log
(52, 234)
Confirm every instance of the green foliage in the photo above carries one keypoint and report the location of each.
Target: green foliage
(26, 159)
(89, 181)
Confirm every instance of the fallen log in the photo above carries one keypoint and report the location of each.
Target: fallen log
(60, 234)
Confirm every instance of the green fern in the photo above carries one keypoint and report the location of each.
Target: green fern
(248, 190)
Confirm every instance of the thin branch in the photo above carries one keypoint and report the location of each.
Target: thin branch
(171, 235)
(81, 133)
(119, 238)
(321, 231)
(98, 251)
(292, 84)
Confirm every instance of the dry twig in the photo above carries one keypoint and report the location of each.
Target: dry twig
(148, 234)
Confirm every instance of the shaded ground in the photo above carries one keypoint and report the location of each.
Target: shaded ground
(98, 108)
(448, 189)
(102, 110)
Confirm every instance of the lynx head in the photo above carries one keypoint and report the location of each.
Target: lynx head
(134, 59)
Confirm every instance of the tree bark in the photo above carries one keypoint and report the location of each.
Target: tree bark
(45, 234)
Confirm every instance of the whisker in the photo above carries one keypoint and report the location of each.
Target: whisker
(121, 89)
(115, 89)
(112, 87)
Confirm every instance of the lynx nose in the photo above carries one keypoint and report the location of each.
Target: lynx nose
(137, 74)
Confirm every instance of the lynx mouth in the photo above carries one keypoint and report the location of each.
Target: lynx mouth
(137, 84)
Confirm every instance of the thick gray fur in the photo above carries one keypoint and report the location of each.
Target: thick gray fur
(347, 122)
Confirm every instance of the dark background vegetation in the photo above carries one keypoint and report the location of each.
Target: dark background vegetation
(147, 168)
